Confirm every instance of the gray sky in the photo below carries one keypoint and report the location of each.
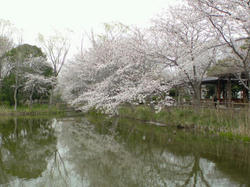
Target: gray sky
(44, 16)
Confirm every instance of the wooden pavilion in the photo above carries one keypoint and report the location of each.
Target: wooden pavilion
(223, 88)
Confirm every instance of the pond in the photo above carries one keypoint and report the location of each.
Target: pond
(92, 151)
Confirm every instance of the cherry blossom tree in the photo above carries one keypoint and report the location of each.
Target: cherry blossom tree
(230, 19)
(110, 73)
(40, 80)
(181, 39)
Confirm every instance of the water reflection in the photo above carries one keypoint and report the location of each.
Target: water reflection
(118, 152)
(26, 145)
(112, 154)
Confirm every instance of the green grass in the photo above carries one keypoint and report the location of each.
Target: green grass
(35, 109)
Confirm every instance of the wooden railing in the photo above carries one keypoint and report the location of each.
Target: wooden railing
(215, 105)
(225, 104)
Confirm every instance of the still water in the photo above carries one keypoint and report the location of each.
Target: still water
(87, 151)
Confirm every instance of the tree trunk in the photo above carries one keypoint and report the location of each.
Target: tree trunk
(0, 75)
(115, 123)
(197, 95)
(51, 97)
(52, 92)
(179, 96)
(31, 95)
(248, 85)
(229, 92)
(132, 107)
(16, 84)
(15, 98)
(16, 128)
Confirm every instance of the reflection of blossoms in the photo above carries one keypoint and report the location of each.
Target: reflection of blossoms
(102, 160)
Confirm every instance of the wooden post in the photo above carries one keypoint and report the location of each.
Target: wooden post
(229, 91)
(245, 99)
(223, 91)
(218, 90)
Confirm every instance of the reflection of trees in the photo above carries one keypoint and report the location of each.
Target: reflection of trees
(98, 158)
(26, 145)
(225, 159)
(106, 160)
(184, 171)
(196, 173)
(57, 172)
(58, 165)
(164, 159)
(170, 169)
(113, 153)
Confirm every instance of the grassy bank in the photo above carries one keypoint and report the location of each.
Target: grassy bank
(36, 109)
(230, 123)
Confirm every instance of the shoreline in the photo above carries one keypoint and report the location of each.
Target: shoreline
(41, 109)
(229, 124)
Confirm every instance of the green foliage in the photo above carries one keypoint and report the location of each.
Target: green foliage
(16, 58)
(47, 71)
(221, 67)
(34, 110)
(7, 91)
(23, 52)
(210, 90)
(235, 90)
(173, 92)
(246, 45)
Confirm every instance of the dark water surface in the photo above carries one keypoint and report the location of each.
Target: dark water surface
(73, 151)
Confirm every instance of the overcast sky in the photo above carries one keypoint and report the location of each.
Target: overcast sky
(44, 16)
